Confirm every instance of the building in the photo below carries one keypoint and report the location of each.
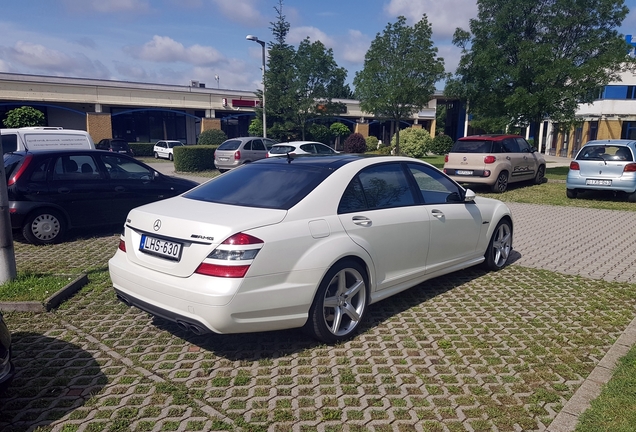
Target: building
(142, 112)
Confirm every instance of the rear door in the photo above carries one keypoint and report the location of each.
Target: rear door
(379, 211)
(258, 149)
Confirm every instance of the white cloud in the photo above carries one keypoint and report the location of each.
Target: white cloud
(165, 49)
(40, 59)
(298, 34)
(241, 11)
(355, 48)
(444, 16)
(109, 6)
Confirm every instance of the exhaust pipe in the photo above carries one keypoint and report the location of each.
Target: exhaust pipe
(124, 300)
(183, 326)
(196, 330)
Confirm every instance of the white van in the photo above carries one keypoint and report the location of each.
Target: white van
(45, 138)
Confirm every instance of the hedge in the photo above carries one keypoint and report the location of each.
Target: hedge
(142, 149)
(194, 158)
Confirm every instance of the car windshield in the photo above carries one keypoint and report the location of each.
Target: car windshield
(230, 145)
(472, 146)
(274, 186)
(282, 149)
(605, 152)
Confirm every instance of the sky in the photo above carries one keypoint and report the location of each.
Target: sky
(176, 41)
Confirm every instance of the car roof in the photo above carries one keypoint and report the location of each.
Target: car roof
(624, 142)
(325, 161)
(490, 137)
(297, 143)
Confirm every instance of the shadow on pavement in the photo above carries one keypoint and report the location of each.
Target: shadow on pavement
(53, 378)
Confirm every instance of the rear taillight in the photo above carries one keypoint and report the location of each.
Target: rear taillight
(237, 155)
(630, 167)
(15, 177)
(232, 258)
(575, 166)
(122, 245)
(489, 159)
(446, 159)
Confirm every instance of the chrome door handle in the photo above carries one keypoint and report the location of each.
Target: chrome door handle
(361, 220)
(438, 214)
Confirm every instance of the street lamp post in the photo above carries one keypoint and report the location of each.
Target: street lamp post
(262, 43)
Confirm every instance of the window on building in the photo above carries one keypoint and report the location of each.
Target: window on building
(628, 130)
(593, 132)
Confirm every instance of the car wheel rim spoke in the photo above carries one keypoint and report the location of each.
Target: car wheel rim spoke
(45, 227)
(502, 245)
(344, 302)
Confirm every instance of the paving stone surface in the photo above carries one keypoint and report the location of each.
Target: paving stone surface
(472, 351)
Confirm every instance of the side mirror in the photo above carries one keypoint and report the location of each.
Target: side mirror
(470, 196)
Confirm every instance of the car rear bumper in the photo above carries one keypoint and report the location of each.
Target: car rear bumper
(625, 183)
(226, 164)
(263, 303)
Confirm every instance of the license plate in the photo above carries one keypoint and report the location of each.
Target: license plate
(598, 182)
(222, 159)
(163, 248)
(464, 172)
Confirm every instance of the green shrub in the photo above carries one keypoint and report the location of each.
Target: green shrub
(372, 143)
(320, 133)
(142, 149)
(194, 158)
(355, 143)
(255, 128)
(384, 150)
(441, 144)
(212, 137)
(414, 142)
(24, 116)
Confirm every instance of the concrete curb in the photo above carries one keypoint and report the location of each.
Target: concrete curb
(50, 303)
(591, 388)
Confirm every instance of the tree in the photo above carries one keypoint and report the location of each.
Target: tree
(23, 117)
(211, 137)
(415, 142)
(339, 130)
(400, 71)
(300, 84)
(524, 61)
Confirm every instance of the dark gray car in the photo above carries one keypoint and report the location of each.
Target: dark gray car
(6, 367)
(238, 151)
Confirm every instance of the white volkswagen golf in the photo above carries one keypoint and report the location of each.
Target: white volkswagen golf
(303, 242)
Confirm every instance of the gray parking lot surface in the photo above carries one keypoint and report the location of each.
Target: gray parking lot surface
(471, 351)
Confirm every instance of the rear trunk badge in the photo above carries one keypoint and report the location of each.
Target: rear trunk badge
(157, 225)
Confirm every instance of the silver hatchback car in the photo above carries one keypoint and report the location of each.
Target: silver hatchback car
(238, 151)
(604, 165)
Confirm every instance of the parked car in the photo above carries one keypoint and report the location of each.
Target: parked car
(238, 151)
(6, 366)
(54, 191)
(321, 239)
(115, 145)
(164, 149)
(494, 160)
(37, 138)
(604, 165)
(299, 148)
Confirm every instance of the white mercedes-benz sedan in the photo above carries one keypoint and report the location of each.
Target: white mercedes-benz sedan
(303, 242)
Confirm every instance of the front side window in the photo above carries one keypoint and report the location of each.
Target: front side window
(524, 147)
(510, 145)
(257, 144)
(309, 148)
(120, 168)
(323, 149)
(434, 186)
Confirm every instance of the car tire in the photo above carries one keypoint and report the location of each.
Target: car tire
(570, 193)
(631, 197)
(44, 226)
(540, 177)
(501, 183)
(222, 170)
(499, 247)
(170, 157)
(340, 303)
(156, 155)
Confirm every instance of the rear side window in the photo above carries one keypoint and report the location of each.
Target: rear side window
(230, 145)
(286, 186)
(119, 145)
(472, 146)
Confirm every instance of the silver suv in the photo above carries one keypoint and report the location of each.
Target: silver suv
(239, 151)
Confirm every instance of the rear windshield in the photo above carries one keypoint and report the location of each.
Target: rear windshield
(473, 146)
(285, 185)
(230, 145)
(605, 152)
(119, 145)
(282, 149)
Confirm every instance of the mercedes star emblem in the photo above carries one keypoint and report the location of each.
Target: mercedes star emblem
(157, 225)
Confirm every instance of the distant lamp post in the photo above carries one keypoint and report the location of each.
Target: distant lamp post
(216, 77)
(262, 43)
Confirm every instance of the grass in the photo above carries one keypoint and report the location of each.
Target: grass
(29, 286)
(615, 409)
